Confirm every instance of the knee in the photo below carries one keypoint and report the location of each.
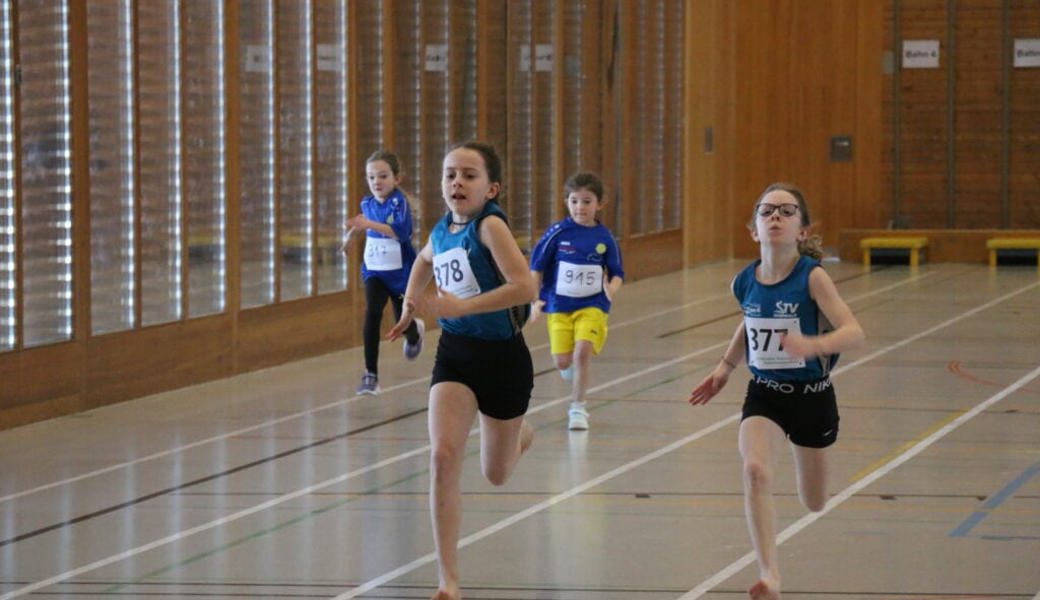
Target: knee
(562, 361)
(756, 475)
(497, 472)
(444, 460)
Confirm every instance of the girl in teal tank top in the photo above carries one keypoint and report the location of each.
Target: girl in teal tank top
(789, 395)
(483, 369)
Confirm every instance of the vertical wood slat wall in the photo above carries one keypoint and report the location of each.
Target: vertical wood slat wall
(963, 137)
(762, 86)
(251, 157)
(773, 81)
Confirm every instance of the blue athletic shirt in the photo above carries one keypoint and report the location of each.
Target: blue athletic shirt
(770, 310)
(501, 324)
(576, 261)
(396, 213)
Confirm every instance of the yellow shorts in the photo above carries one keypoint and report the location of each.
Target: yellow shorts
(566, 329)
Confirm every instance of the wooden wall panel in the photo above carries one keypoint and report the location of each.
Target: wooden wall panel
(978, 114)
(39, 374)
(122, 366)
(805, 72)
(773, 80)
(709, 130)
(1024, 124)
(293, 330)
(960, 139)
(924, 133)
(652, 254)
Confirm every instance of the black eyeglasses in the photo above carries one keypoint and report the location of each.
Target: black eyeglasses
(786, 209)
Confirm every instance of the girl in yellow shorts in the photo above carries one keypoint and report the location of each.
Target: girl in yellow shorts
(577, 264)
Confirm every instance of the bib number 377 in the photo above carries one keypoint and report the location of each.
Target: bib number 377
(765, 343)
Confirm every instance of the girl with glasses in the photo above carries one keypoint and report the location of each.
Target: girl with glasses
(795, 325)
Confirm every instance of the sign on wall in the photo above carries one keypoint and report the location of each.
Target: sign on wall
(920, 54)
(1027, 53)
(436, 57)
(330, 57)
(258, 59)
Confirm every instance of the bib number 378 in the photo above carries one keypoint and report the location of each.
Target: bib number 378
(454, 273)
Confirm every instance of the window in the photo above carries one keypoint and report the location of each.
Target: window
(46, 217)
(112, 165)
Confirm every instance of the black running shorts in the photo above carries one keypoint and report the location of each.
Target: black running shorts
(807, 411)
(499, 372)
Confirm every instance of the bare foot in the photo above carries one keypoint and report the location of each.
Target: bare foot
(443, 594)
(765, 589)
(526, 436)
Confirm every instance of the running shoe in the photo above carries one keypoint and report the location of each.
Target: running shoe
(578, 418)
(412, 351)
(369, 384)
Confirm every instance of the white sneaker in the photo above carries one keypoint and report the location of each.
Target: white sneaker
(568, 373)
(578, 418)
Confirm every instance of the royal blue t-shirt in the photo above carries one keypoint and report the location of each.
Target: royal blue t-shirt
(576, 261)
(396, 213)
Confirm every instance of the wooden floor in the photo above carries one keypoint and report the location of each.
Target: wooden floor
(283, 484)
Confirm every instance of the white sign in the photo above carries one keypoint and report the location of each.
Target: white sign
(1027, 52)
(330, 57)
(543, 57)
(258, 59)
(436, 57)
(920, 54)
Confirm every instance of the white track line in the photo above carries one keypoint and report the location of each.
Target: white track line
(391, 575)
(749, 558)
(539, 507)
(339, 479)
(344, 402)
(309, 411)
(708, 584)
(311, 489)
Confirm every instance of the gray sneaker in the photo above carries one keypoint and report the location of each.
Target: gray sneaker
(412, 351)
(369, 384)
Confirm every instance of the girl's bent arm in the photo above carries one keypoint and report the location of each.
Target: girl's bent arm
(847, 332)
(520, 286)
(422, 273)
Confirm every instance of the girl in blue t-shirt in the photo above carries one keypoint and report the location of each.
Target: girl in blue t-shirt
(386, 218)
(577, 265)
(795, 324)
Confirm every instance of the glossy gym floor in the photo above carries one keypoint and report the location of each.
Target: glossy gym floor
(282, 484)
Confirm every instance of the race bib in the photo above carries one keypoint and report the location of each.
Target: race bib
(765, 350)
(454, 274)
(382, 254)
(578, 281)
